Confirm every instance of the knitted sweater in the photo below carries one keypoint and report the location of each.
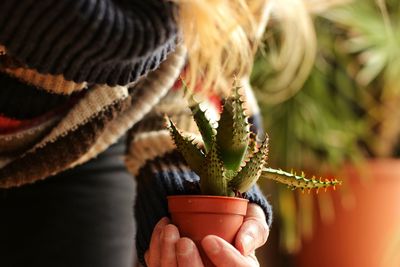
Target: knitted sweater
(75, 75)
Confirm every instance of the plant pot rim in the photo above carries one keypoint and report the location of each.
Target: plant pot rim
(207, 204)
(207, 196)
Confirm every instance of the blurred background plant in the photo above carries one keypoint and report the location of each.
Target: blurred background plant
(372, 38)
(328, 91)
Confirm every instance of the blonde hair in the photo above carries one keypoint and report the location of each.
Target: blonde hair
(221, 37)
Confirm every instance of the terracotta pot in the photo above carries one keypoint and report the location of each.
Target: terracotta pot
(367, 235)
(199, 216)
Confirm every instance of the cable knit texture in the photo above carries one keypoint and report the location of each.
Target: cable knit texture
(102, 116)
(99, 41)
(52, 83)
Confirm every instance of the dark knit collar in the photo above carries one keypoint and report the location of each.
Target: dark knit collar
(103, 41)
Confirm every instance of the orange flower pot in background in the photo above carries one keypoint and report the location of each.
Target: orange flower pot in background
(197, 216)
(367, 235)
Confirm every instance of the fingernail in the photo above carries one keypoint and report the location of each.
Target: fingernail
(247, 244)
(161, 223)
(184, 247)
(169, 233)
(164, 220)
(211, 245)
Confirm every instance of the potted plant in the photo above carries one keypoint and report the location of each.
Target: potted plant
(367, 33)
(229, 162)
(345, 115)
(317, 129)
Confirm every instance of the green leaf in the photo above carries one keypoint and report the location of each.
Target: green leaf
(233, 132)
(204, 125)
(294, 181)
(212, 176)
(252, 146)
(250, 173)
(190, 152)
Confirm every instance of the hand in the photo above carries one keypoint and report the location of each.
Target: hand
(167, 249)
(252, 234)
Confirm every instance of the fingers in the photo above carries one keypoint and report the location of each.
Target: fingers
(169, 236)
(153, 255)
(254, 231)
(167, 249)
(223, 254)
(187, 253)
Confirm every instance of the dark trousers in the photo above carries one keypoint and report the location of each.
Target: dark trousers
(81, 217)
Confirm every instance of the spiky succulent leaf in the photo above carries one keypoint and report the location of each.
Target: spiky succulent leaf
(294, 181)
(212, 175)
(233, 132)
(250, 173)
(252, 146)
(190, 152)
(204, 125)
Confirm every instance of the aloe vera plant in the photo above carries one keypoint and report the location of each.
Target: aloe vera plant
(231, 160)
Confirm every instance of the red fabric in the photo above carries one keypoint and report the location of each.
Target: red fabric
(6, 122)
(9, 125)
